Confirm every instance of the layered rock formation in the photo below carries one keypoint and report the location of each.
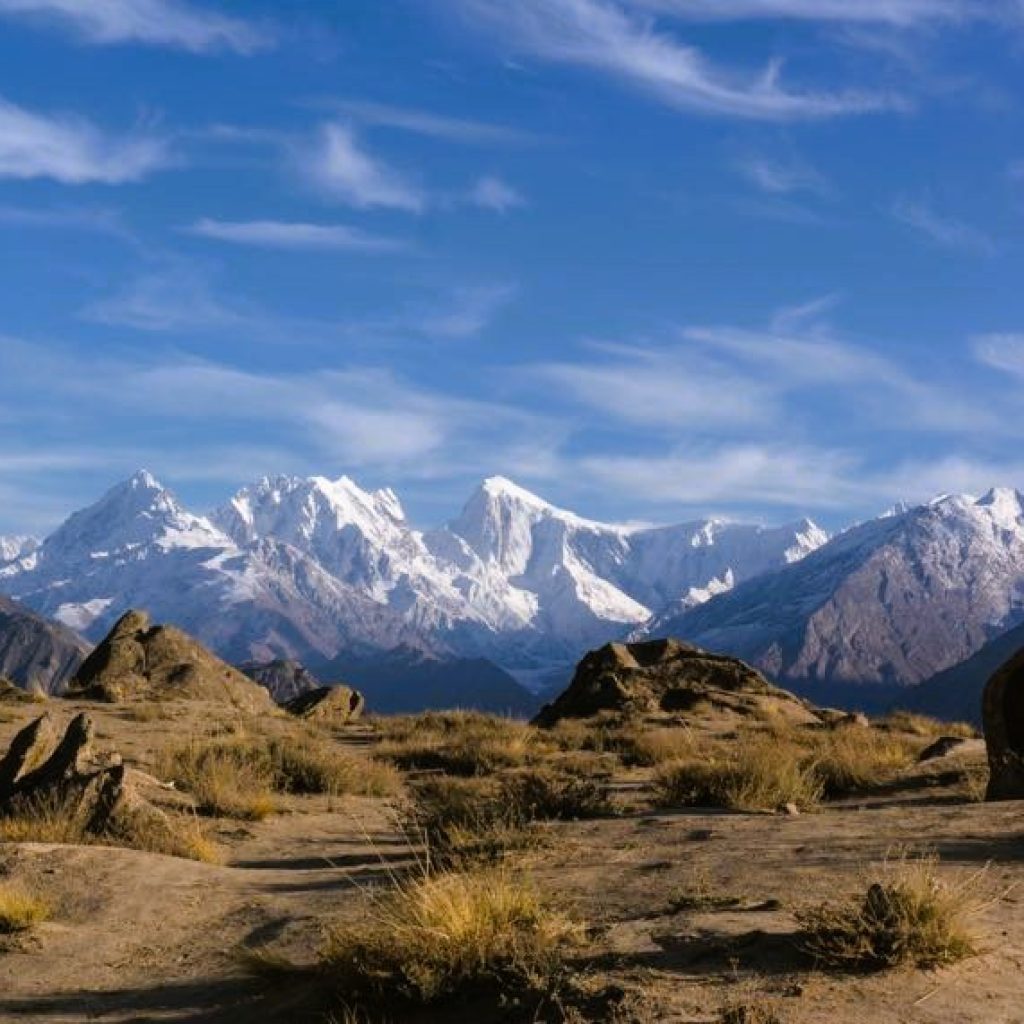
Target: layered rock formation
(332, 705)
(668, 676)
(140, 661)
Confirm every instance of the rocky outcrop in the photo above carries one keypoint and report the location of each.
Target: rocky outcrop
(140, 661)
(94, 794)
(672, 677)
(332, 705)
(283, 678)
(36, 653)
(1002, 712)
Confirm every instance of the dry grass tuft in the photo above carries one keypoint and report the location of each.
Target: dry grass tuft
(20, 909)
(472, 821)
(226, 777)
(440, 936)
(913, 724)
(238, 775)
(758, 1011)
(49, 821)
(910, 917)
(755, 775)
(851, 759)
(464, 743)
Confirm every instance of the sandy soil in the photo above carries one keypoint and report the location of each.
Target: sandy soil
(143, 937)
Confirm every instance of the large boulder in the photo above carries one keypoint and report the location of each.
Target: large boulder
(669, 676)
(283, 678)
(1002, 712)
(332, 705)
(140, 661)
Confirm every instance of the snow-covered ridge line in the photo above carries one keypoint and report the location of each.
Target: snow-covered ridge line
(312, 566)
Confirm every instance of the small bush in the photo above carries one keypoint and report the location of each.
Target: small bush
(757, 775)
(910, 917)
(20, 909)
(466, 821)
(551, 796)
(445, 935)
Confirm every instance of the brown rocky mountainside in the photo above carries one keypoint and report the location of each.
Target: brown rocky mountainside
(670, 676)
(140, 661)
(285, 678)
(35, 651)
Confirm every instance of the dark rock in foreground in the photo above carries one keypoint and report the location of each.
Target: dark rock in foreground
(140, 661)
(1003, 715)
(332, 705)
(669, 676)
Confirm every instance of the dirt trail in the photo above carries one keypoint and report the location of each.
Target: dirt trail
(138, 936)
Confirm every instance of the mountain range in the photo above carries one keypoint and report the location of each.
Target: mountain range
(512, 590)
(883, 606)
(320, 569)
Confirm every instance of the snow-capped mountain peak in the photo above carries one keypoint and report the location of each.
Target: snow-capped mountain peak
(16, 546)
(292, 562)
(132, 515)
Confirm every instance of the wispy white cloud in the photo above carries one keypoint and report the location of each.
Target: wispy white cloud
(730, 474)
(172, 23)
(903, 13)
(344, 170)
(781, 176)
(352, 417)
(73, 150)
(470, 311)
(167, 299)
(731, 381)
(274, 234)
(946, 232)
(437, 126)
(492, 193)
(614, 39)
(1003, 351)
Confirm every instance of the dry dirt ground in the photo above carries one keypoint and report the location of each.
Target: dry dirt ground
(145, 937)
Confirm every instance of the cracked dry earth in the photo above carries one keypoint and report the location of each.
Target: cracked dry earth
(144, 937)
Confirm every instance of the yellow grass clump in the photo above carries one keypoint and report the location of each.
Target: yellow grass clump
(458, 742)
(438, 936)
(20, 909)
(755, 775)
(853, 759)
(50, 821)
(909, 917)
(239, 775)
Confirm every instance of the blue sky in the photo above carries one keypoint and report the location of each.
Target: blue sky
(650, 258)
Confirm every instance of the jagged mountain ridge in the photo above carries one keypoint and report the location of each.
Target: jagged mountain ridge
(888, 603)
(16, 546)
(314, 568)
(512, 577)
